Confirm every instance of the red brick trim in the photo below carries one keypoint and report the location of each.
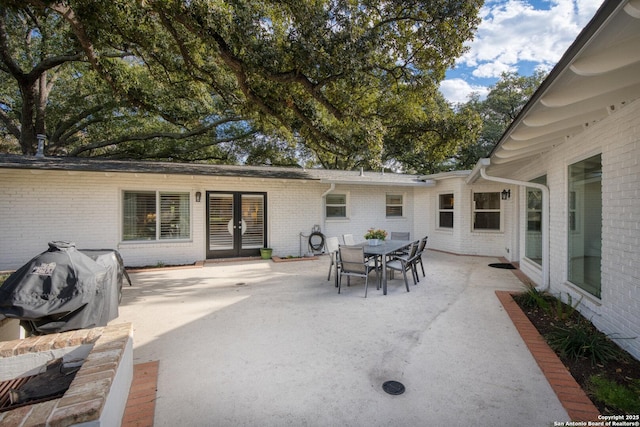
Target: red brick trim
(141, 403)
(573, 398)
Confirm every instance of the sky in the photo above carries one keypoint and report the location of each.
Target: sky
(516, 36)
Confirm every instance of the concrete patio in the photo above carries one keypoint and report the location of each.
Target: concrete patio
(258, 343)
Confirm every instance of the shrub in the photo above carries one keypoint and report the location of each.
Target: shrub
(583, 340)
(533, 298)
(562, 311)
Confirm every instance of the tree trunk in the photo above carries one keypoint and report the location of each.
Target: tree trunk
(28, 140)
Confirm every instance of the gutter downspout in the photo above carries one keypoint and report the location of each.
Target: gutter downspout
(545, 218)
(324, 211)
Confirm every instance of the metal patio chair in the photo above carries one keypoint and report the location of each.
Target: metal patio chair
(400, 235)
(354, 264)
(418, 257)
(333, 244)
(406, 262)
(348, 239)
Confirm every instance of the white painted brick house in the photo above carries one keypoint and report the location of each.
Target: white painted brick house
(85, 201)
(579, 136)
(560, 193)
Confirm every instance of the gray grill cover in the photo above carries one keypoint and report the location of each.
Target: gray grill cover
(59, 290)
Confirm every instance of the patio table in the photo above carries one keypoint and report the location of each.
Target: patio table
(386, 248)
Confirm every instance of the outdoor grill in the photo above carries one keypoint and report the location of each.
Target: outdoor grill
(64, 289)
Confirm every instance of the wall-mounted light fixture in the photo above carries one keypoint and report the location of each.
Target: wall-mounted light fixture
(506, 194)
(198, 196)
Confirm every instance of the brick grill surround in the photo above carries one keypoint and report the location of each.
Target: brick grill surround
(88, 394)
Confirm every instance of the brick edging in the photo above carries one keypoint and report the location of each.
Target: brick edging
(141, 403)
(574, 400)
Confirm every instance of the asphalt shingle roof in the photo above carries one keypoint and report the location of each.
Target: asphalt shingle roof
(10, 161)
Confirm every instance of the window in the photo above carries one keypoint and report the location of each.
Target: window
(394, 205)
(533, 238)
(445, 210)
(584, 224)
(151, 215)
(336, 205)
(486, 211)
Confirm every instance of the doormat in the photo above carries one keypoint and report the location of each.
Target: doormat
(505, 265)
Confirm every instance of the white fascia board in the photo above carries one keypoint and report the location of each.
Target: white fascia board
(475, 173)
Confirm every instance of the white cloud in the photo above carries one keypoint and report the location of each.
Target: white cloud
(458, 90)
(492, 69)
(512, 31)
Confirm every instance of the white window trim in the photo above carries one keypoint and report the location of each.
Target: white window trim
(439, 209)
(157, 240)
(402, 205)
(347, 207)
(474, 210)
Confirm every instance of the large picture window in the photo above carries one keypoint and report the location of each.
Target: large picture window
(445, 210)
(585, 224)
(336, 205)
(486, 211)
(533, 239)
(151, 215)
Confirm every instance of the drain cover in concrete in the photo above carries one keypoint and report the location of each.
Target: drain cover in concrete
(393, 387)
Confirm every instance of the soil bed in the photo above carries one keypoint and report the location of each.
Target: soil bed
(624, 371)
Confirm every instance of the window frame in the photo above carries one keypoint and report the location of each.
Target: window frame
(162, 200)
(583, 267)
(394, 205)
(442, 210)
(345, 205)
(475, 210)
(536, 213)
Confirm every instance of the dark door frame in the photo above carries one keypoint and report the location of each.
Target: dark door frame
(237, 250)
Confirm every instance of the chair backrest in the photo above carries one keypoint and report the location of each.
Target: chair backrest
(352, 259)
(332, 244)
(413, 250)
(400, 235)
(348, 239)
(423, 244)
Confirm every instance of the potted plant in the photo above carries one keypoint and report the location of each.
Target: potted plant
(375, 237)
(266, 253)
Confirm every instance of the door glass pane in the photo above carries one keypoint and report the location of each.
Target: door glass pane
(252, 221)
(220, 221)
(533, 238)
(585, 224)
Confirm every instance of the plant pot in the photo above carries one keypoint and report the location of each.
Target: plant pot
(375, 242)
(265, 253)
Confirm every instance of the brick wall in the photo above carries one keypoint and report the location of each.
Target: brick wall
(617, 139)
(86, 208)
(97, 394)
(462, 239)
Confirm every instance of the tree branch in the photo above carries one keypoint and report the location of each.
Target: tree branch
(11, 126)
